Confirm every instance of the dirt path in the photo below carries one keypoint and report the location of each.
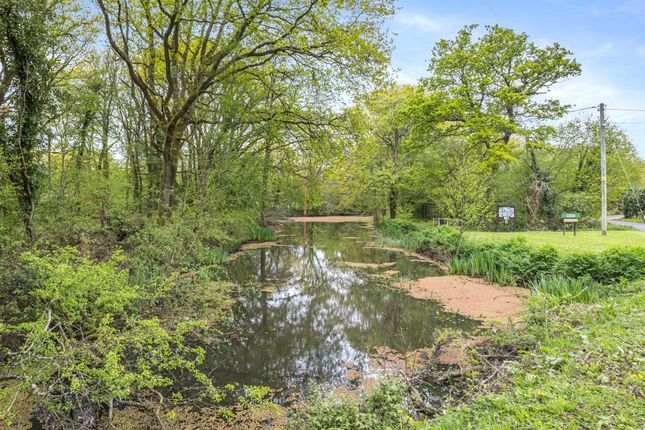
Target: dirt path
(333, 219)
(471, 297)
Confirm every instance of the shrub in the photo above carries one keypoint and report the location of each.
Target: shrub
(397, 228)
(443, 241)
(517, 263)
(634, 203)
(606, 267)
(207, 256)
(384, 408)
(83, 345)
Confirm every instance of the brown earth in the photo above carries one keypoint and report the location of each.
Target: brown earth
(472, 297)
(333, 219)
(367, 265)
(261, 417)
(257, 245)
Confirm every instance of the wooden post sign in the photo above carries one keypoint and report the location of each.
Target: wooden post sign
(570, 218)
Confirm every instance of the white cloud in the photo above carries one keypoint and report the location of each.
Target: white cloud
(420, 22)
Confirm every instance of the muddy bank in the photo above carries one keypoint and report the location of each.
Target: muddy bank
(257, 245)
(356, 265)
(471, 297)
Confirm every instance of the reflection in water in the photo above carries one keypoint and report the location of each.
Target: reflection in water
(303, 316)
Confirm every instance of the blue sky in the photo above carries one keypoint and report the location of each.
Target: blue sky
(606, 37)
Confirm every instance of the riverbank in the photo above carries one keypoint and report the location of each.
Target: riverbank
(569, 348)
(572, 365)
(576, 362)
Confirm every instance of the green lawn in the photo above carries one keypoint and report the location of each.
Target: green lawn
(583, 241)
(639, 220)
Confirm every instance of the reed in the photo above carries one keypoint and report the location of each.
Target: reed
(262, 234)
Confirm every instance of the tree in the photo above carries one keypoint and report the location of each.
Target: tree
(177, 51)
(493, 88)
(39, 42)
(467, 187)
(24, 91)
(389, 126)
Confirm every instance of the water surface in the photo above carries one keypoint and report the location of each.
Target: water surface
(304, 315)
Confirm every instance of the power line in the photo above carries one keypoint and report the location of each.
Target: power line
(627, 110)
(627, 122)
(581, 109)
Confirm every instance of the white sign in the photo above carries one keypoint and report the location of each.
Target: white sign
(506, 212)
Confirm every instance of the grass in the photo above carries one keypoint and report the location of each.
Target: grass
(582, 290)
(583, 241)
(587, 371)
(639, 220)
(262, 234)
(581, 365)
(480, 264)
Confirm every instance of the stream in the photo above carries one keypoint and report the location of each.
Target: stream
(307, 313)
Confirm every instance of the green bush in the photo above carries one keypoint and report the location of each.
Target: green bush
(207, 256)
(397, 228)
(441, 242)
(516, 263)
(634, 203)
(84, 345)
(384, 408)
(606, 267)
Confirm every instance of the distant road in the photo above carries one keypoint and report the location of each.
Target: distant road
(616, 219)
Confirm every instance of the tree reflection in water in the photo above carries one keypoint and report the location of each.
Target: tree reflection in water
(307, 317)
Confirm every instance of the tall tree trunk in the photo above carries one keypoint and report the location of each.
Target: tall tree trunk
(393, 198)
(153, 165)
(395, 158)
(170, 159)
(104, 165)
(265, 181)
(305, 198)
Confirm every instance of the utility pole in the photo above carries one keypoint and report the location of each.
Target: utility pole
(603, 170)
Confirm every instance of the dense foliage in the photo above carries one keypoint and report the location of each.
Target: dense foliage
(142, 142)
(514, 262)
(383, 408)
(583, 370)
(634, 204)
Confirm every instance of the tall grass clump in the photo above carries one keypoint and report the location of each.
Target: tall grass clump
(481, 264)
(438, 242)
(581, 290)
(262, 234)
(208, 256)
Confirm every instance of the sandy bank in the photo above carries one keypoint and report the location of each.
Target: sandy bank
(472, 297)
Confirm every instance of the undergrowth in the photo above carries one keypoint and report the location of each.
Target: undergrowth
(570, 366)
(584, 369)
(513, 262)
